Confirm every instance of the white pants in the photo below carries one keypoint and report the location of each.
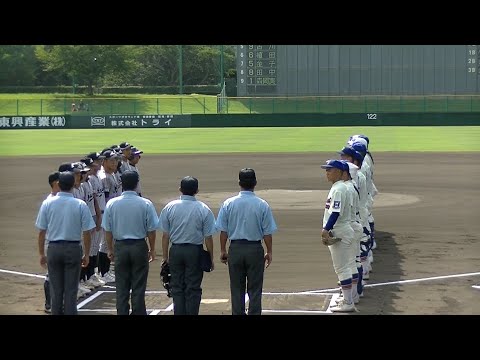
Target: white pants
(342, 251)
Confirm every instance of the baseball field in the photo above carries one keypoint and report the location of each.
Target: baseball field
(426, 214)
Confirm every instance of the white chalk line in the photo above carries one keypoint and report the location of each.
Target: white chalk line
(400, 282)
(307, 292)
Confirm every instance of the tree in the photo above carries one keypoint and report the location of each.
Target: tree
(17, 65)
(84, 64)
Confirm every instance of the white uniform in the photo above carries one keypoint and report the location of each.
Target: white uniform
(337, 201)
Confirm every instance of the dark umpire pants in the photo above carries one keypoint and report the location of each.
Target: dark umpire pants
(246, 267)
(64, 262)
(131, 272)
(187, 276)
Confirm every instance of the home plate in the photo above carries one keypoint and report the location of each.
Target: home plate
(213, 301)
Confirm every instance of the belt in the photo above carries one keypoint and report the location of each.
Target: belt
(64, 241)
(188, 244)
(125, 241)
(245, 241)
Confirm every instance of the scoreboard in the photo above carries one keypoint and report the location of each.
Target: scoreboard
(257, 68)
(351, 70)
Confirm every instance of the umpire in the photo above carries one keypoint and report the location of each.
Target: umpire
(61, 219)
(128, 219)
(186, 223)
(246, 219)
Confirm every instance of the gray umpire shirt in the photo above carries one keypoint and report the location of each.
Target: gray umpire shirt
(129, 216)
(246, 216)
(187, 220)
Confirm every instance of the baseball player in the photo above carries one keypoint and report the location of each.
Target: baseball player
(133, 160)
(112, 189)
(98, 234)
(351, 155)
(126, 151)
(336, 221)
(363, 139)
(354, 215)
(365, 169)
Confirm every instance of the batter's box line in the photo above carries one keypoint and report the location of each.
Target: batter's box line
(101, 292)
(400, 282)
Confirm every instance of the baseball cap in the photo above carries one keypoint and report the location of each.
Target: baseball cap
(360, 136)
(87, 161)
(95, 156)
(110, 154)
(337, 164)
(80, 166)
(353, 169)
(125, 145)
(75, 167)
(347, 150)
(136, 151)
(360, 141)
(360, 147)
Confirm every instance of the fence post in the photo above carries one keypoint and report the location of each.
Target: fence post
(157, 107)
(250, 104)
(181, 105)
(65, 106)
(204, 107)
(41, 106)
(17, 107)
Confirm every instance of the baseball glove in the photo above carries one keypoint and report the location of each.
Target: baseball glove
(331, 239)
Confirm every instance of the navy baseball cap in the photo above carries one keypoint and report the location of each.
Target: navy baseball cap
(95, 156)
(337, 164)
(347, 150)
(361, 148)
(110, 154)
(76, 167)
(136, 151)
(125, 145)
(80, 167)
(87, 161)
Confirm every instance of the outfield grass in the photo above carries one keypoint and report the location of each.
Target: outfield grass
(211, 140)
(142, 104)
(128, 104)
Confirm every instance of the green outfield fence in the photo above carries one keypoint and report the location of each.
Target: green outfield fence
(237, 105)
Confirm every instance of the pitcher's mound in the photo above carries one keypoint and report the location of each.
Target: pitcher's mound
(304, 199)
